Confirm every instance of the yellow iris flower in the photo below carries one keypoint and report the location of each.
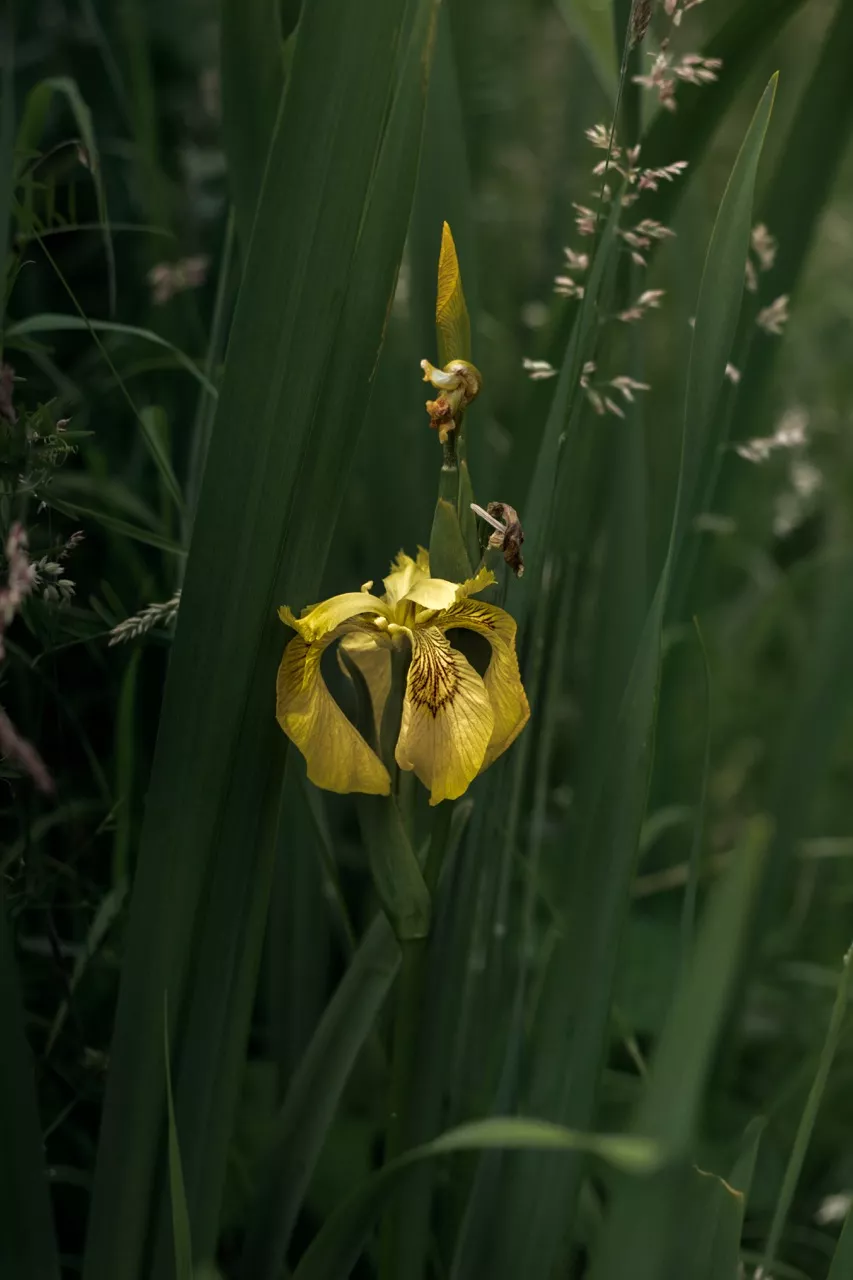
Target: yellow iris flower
(454, 723)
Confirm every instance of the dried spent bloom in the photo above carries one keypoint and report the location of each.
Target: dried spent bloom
(538, 370)
(168, 278)
(153, 615)
(459, 383)
(508, 534)
(773, 319)
(454, 722)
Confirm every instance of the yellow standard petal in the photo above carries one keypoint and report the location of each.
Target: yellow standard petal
(337, 756)
(447, 717)
(439, 593)
(432, 593)
(502, 680)
(402, 576)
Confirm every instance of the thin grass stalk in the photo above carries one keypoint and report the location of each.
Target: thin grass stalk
(805, 1128)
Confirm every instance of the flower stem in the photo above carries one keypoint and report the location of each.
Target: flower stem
(407, 1022)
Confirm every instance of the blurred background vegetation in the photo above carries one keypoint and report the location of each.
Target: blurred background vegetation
(131, 150)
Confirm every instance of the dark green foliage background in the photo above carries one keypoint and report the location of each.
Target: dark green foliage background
(253, 894)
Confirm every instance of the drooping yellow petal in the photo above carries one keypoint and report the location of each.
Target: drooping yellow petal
(373, 659)
(337, 756)
(329, 614)
(451, 313)
(502, 679)
(447, 717)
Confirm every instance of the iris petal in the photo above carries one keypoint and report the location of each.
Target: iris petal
(502, 679)
(337, 756)
(447, 718)
(373, 659)
(322, 618)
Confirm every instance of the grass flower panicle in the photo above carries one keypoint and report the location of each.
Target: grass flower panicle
(168, 278)
(153, 615)
(538, 370)
(791, 433)
(21, 580)
(649, 300)
(773, 318)
(667, 71)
